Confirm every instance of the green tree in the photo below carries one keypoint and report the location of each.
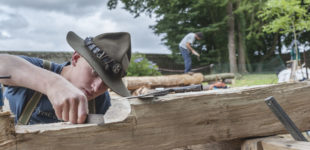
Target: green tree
(259, 47)
(175, 18)
(231, 38)
(241, 22)
(286, 16)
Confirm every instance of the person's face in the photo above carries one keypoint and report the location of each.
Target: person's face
(197, 37)
(85, 78)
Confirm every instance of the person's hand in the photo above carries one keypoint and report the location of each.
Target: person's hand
(69, 102)
(195, 53)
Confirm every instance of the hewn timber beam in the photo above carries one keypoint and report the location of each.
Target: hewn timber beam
(178, 120)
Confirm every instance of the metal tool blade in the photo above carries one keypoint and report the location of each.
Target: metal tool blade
(95, 119)
(5, 77)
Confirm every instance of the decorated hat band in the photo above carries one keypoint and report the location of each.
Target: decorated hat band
(110, 64)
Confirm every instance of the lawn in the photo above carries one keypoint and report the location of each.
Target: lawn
(255, 79)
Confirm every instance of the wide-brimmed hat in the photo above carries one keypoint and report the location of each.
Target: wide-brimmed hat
(109, 55)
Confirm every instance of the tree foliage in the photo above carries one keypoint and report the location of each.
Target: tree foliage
(176, 18)
(141, 66)
(285, 16)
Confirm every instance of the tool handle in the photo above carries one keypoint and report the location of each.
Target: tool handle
(5, 77)
(284, 118)
(196, 87)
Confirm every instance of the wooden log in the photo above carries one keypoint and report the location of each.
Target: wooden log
(275, 143)
(177, 120)
(214, 77)
(284, 144)
(256, 143)
(134, 83)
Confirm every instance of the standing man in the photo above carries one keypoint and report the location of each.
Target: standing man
(43, 92)
(186, 48)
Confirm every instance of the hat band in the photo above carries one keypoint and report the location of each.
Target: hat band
(110, 64)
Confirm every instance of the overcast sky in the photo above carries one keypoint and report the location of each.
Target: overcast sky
(42, 25)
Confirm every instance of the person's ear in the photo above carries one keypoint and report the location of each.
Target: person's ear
(75, 57)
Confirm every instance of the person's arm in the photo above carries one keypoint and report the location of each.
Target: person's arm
(69, 103)
(188, 45)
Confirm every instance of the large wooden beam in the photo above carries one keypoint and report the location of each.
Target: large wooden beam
(134, 83)
(177, 120)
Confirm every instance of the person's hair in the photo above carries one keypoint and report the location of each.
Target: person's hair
(199, 34)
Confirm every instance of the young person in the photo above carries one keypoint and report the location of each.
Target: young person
(42, 92)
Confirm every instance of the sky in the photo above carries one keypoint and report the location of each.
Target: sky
(42, 25)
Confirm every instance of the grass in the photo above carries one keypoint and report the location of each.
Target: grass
(255, 79)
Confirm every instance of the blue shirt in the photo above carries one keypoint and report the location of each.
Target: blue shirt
(44, 112)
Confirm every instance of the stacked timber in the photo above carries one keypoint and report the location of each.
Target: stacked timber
(227, 116)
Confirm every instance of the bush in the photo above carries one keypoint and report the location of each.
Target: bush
(140, 66)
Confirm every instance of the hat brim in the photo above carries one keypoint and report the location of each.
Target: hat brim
(114, 83)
